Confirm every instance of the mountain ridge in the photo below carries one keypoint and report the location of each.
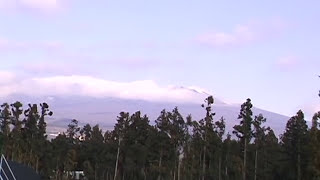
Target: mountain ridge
(104, 111)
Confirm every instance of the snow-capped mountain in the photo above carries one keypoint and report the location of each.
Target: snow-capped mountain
(104, 111)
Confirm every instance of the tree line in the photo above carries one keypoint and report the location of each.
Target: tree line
(171, 148)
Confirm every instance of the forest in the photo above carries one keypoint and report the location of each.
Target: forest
(172, 147)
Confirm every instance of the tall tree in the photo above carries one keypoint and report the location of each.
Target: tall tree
(163, 125)
(61, 146)
(42, 125)
(16, 135)
(73, 131)
(244, 131)
(220, 127)
(259, 138)
(294, 142)
(41, 142)
(178, 131)
(119, 131)
(208, 130)
(314, 145)
(30, 132)
(5, 118)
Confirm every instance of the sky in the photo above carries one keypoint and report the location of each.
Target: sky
(264, 50)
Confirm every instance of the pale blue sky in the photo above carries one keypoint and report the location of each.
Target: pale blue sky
(265, 50)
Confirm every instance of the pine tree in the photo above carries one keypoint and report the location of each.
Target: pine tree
(16, 134)
(73, 131)
(60, 146)
(259, 135)
(86, 132)
(207, 127)
(178, 131)
(119, 132)
(220, 127)
(42, 125)
(270, 157)
(314, 145)
(163, 125)
(5, 118)
(244, 131)
(30, 132)
(294, 142)
(196, 141)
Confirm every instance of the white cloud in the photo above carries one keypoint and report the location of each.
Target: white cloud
(94, 87)
(242, 34)
(287, 61)
(16, 46)
(6, 77)
(42, 5)
(47, 67)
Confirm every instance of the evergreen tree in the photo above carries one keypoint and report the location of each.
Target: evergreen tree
(294, 142)
(30, 132)
(73, 131)
(244, 131)
(118, 133)
(208, 133)
(42, 125)
(178, 131)
(61, 146)
(314, 147)
(5, 118)
(220, 127)
(163, 125)
(16, 134)
(259, 139)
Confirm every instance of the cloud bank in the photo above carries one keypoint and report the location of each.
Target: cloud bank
(89, 86)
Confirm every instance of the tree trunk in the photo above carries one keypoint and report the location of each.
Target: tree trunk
(117, 161)
(226, 173)
(204, 163)
(299, 167)
(244, 160)
(160, 164)
(37, 164)
(220, 168)
(200, 163)
(299, 162)
(175, 164)
(30, 157)
(104, 175)
(226, 168)
(179, 164)
(174, 171)
(144, 173)
(95, 171)
(256, 165)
